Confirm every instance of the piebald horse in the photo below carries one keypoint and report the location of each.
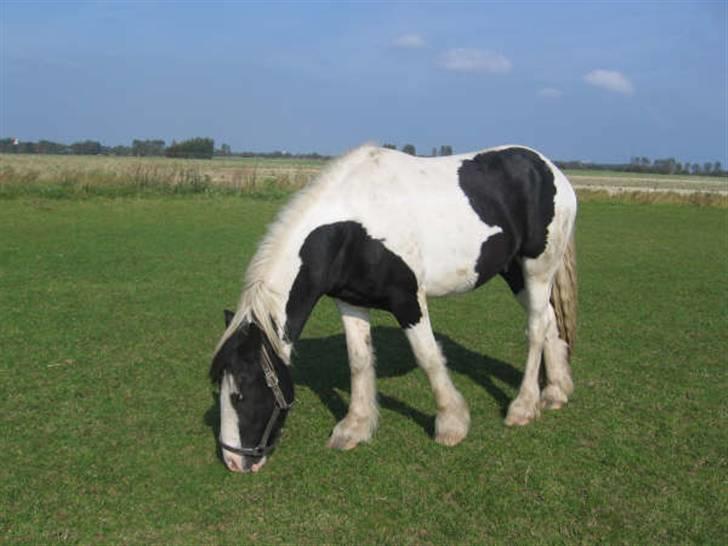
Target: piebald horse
(384, 230)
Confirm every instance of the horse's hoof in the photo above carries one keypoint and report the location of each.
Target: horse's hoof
(343, 443)
(449, 439)
(553, 398)
(350, 432)
(452, 428)
(520, 414)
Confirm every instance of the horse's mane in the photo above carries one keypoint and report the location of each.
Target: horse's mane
(259, 302)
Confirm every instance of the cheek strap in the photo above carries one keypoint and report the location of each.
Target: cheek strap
(262, 448)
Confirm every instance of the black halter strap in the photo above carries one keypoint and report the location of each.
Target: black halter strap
(271, 379)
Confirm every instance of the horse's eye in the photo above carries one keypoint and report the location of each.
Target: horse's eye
(236, 398)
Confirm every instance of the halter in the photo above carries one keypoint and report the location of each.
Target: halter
(271, 379)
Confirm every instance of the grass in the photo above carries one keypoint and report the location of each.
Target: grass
(111, 308)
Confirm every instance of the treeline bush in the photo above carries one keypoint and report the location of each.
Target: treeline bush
(646, 165)
(196, 148)
(201, 148)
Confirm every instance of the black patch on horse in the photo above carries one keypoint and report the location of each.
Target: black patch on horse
(512, 188)
(513, 275)
(341, 260)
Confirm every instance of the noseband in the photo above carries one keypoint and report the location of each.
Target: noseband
(271, 379)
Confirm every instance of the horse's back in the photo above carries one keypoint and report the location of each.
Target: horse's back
(416, 208)
(457, 220)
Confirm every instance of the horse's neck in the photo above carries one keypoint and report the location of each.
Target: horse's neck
(277, 263)
(271, 287)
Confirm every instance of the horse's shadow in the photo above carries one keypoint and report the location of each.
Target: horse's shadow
(321, 365)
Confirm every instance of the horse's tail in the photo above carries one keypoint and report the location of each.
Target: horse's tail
(564, 295)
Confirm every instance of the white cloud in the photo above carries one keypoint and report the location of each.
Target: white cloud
(409, 41)
(474, 60)
(550, 93)
(611, 80)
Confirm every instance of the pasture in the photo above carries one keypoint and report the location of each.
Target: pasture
(111, 309)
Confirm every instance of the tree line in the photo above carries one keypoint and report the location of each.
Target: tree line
(646, 165)
(410, 149)
(204, 148)
(198, 148)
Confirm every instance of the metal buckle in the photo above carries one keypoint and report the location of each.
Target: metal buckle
(271, 378)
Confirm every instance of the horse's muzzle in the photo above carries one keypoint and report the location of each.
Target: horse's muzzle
(242, 463)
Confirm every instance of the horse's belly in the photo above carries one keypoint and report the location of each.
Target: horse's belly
(449, 261)
(441, 244)
(453, 273)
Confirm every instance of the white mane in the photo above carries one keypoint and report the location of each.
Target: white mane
(259, 302)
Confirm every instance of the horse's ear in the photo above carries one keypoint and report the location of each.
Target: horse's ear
(228, 317)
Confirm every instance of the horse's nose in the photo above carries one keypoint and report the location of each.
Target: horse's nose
(257, 466)
(233, 462)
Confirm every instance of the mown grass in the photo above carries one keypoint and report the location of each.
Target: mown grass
(110, 310)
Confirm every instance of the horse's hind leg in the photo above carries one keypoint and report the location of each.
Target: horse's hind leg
(453, 417)
(361, 420)
(538, 276)
(558, 372)
(555, 350)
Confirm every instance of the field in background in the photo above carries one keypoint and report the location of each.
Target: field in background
(57, 176)
(97, 175)
(110, 311)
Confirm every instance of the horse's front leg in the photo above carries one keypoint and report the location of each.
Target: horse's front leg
(453, 417)
(361, 420)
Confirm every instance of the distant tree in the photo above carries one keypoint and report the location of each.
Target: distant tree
(707, 167)
(434, 152)
(409, 149)
(196, 148)
(7, 145)
(48, 147)
(25, 147)
(121, 151)
(390, 146)
(445, 149)
(225, 150)
(86, 147)
(717, 169)
(695, 169)
(147, 148)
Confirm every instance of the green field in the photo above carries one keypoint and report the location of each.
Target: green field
(110, 311)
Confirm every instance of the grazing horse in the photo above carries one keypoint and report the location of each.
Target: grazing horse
(382, 229)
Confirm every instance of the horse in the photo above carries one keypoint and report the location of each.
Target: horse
(381, 229)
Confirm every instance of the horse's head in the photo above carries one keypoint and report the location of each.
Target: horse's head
(256, 392)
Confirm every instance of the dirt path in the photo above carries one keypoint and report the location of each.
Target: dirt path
(683, 185)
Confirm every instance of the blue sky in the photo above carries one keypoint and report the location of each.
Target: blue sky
(600, 81)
